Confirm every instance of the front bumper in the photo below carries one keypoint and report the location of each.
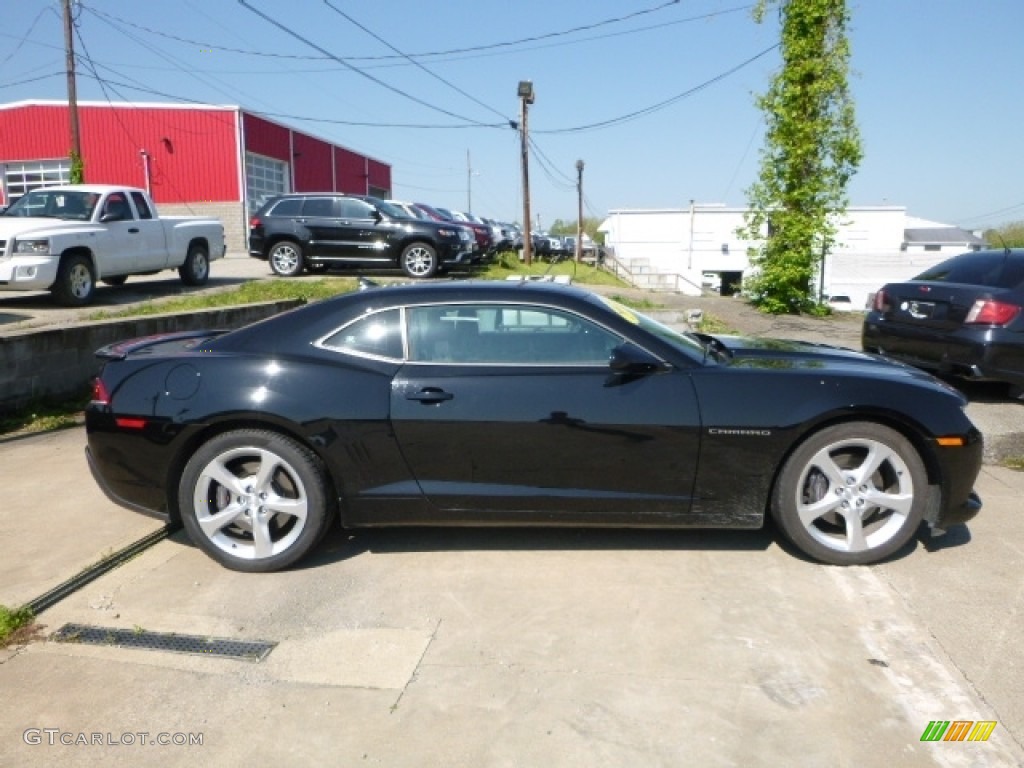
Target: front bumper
(27, 273)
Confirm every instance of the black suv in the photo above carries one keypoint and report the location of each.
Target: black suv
(317, 231)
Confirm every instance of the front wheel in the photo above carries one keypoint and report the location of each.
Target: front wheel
(419, 260)
(196, 268)
(254, 500)
(286, 259)
(851, 494)
(76, 282)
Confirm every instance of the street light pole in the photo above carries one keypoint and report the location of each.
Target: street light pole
(579, 208)
(525, 98)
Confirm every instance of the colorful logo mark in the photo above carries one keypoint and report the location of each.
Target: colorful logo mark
(959, 730)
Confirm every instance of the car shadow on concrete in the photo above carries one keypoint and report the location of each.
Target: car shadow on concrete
(339, 545)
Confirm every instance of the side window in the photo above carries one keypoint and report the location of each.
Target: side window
(505, 334)
(142, 206)
(116, 207)
(378, 335)
(290, 206)
(355, 209)
(144, 212)
(319, 206)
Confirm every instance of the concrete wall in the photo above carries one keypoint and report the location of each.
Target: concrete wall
(231, 215)
(60, 362)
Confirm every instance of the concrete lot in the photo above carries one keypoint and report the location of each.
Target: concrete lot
(517, 648)
(511, 648)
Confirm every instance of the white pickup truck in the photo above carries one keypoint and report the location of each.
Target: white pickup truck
(64, 239)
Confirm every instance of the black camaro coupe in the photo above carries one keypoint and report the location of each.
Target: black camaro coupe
(497, 403)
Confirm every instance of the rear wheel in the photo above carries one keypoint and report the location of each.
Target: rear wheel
(851, 494)
(76, 282)
(196, 268)
(419, 260)
(254, 500)
(286, 259)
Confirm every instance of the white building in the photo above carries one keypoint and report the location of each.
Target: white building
(681, 249)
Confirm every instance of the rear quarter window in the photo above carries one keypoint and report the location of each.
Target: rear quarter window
(288, 207)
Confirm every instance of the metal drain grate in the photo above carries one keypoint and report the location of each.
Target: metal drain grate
(164, 641)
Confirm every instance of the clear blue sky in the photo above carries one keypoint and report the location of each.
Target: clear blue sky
(937, 84)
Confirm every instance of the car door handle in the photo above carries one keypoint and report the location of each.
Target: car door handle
(430, 395)
(133, 230)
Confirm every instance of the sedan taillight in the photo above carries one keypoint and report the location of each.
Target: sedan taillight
(100, 396)
(989, 312)
(255, 223)
(881, 302)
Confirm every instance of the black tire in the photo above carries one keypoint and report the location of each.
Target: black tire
(196, 268)
(76, 282)
(833, 513)
(116, 280)
(286, 259)
(293, 503)
(419, 260)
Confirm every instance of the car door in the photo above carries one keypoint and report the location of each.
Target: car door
(326, 235)
(122, 243)
(512, 411)
(153, 252)
(366, 231)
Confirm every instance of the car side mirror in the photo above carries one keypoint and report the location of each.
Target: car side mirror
(630, 359)
(377, 215)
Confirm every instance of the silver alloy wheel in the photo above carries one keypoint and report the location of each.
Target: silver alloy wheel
(200, 265)
(250, 503)
(419, 260)
(80, 281)
(855, 495)
(286, 259)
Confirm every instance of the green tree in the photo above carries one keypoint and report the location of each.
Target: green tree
(812, 149)
(1006, 235)
(590, 225)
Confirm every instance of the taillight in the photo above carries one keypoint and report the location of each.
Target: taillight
(989, 312)
(255, 223)
(881, 302)
(100, 395)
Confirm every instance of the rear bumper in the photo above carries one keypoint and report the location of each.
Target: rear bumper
(983, 354)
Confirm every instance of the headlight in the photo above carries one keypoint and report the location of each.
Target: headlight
(41, 246)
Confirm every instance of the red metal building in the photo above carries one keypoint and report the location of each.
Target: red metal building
(208, 160)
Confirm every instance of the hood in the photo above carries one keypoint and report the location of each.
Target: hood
(823, 359)
(29, 226)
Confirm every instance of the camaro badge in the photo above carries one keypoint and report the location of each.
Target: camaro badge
(740, 432)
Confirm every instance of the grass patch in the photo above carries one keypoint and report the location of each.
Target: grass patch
(17, 625)
(252, 292)
(1014, 462)
(712, 324)
(508, 264)
(640, 304)
(45, 416)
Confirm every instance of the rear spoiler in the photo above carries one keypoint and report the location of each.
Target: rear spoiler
(121, 349)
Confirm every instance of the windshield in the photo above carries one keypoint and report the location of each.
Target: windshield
(682, 341)
(55, 204)
(392, 210)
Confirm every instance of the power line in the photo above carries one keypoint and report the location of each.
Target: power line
(667, 102)
(355, 69)
(28, 32)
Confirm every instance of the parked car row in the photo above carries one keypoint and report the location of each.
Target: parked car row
(319, 231)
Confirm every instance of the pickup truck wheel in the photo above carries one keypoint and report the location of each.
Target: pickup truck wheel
(75, 283)
(196, 269)
(286, 259)
(419, 260)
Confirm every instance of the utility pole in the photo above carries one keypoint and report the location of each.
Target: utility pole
(579, 208)
(69, 51)
(525, 98)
